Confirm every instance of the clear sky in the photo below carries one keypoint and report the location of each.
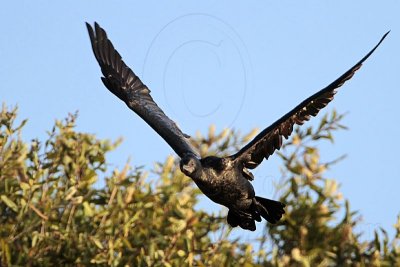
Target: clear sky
(234, 64)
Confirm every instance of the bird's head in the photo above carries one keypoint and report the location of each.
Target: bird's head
(190, 165)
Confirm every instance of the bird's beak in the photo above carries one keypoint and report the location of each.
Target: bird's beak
(186, 169)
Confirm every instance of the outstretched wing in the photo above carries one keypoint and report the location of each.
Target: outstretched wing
(270, 139)
(123, 82)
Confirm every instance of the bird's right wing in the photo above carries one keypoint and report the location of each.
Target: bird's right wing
(270, 139)
(122, 82)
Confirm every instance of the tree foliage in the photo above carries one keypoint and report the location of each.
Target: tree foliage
(52, 213)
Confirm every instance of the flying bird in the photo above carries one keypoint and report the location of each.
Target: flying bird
(225, 180)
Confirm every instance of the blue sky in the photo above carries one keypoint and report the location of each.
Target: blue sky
(239, 65)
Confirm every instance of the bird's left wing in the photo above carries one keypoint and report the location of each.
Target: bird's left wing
(270, 139)
(123, 82)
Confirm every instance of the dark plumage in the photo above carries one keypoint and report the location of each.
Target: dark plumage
(224, 180)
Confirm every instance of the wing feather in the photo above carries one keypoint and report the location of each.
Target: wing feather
(270, 139)
(122, 82)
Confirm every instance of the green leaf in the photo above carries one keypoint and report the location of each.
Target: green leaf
(24, 186)
(97, 242)
(87, 209)
(9, 203)
(70, 193)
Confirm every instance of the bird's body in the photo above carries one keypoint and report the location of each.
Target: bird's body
(226, 180)
(219, 180)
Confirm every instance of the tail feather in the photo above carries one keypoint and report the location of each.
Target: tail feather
(270, 210)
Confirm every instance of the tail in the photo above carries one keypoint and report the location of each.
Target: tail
(270, 210)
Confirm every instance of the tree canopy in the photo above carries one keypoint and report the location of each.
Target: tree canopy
(52, 212)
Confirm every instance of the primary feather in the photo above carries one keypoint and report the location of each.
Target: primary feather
(270, 139)
(122, 81)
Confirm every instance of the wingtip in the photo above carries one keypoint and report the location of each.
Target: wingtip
(99, 30)
(95, 26)
(383, 37)
(88, 26)
(380, 41)
(373, 49)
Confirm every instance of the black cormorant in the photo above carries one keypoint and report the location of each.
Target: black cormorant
(224, 180)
